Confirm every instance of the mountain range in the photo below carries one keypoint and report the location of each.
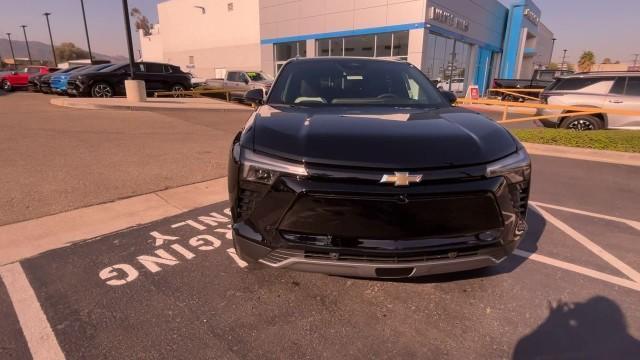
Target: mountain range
(42, 51)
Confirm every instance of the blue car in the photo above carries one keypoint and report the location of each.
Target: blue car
(59, 81)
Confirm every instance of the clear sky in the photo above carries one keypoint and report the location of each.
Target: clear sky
(610, 28)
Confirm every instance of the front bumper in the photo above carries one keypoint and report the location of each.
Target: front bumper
(298, 260)
(553, 121)
(366, 229)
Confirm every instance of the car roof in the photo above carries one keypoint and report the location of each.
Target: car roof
(603, 74)
(346, 58)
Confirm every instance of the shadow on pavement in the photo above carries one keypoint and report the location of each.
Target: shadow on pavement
(529, 243)
(595, 329)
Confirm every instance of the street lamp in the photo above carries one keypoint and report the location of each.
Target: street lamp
(553, 45)
(53, 49)
(127, 24)
(86, 31)
(15, 66)
(24, 31)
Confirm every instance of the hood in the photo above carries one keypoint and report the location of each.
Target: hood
(381, 138)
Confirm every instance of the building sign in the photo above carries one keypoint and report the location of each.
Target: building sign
(448, 18)
(532, 16)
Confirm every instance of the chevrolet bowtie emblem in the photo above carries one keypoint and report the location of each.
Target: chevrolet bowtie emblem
(401, 179)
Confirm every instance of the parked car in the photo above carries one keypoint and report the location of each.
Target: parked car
(59, 80)
(610, 90)
(540, 80)
(20, 79)
(240, 82)
(455, 85)
(45, 80)
(109, 81)
(34, 81)
(361, 167)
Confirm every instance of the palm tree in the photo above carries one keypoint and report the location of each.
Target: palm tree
(587, 60)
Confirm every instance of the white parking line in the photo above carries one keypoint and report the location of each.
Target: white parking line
(632, 223)
(236, 258)
(611, 259)
(579, 269)
(35, 327)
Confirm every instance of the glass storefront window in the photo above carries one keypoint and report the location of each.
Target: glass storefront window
(285, 51)
(383, 45)
(362, 46)
(401, 44)
(448, 62)
(378, 45)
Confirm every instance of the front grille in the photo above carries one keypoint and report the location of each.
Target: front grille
(385, 216)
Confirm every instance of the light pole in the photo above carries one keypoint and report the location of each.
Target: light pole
(24, 31)
(564, 57)
(86, 31)
(15, 66)
(553, 45)
(127, 24)
(53, 49)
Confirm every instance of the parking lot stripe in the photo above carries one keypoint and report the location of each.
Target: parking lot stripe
(611, 259)
(236, 258)
(632, 223)
(35, 327)
(579, 269)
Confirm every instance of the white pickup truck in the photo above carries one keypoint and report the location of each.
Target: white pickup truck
(243, 81)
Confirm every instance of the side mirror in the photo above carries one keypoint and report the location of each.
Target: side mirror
(246, 81)
(450, 96)
(14, 73)
(255, 96)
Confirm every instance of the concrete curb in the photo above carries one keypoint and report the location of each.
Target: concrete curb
(611, 157)
(32, 237)
(100, 104)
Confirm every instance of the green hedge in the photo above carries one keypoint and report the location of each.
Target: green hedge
(615, 140)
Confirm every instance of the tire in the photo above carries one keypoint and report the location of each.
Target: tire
(6, 85)
(101, 90)
(177, 88)
(582, 123)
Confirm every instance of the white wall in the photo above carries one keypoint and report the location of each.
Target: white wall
(216, 39)
(151, 46)
(281, 18)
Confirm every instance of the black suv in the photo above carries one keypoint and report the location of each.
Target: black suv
(109, 82)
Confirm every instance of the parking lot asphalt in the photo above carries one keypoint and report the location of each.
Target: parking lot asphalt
(174, 289)
(55, 159)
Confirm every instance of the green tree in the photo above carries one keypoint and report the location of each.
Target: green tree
(607, 61)
(553, 66)
(142, 22)
(587, 60)
(69, 51)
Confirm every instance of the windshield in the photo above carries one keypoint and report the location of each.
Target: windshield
(350, 82)
(112, 67)
(258, 76)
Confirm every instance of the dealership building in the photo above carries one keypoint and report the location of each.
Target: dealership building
(468, 42)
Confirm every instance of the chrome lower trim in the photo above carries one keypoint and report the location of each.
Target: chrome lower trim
(295, 260)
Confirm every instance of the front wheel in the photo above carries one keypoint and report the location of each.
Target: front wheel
(582, 123)
(6, 85)
(101, 90)
(178, 91)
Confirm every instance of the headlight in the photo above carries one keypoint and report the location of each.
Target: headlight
(264, 169)
(515, 167)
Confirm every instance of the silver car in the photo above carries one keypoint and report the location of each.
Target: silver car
(607, 90)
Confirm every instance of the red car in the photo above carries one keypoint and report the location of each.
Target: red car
(20, 79)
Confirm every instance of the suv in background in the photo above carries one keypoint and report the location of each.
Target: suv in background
(605, 90)
(109, 82)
